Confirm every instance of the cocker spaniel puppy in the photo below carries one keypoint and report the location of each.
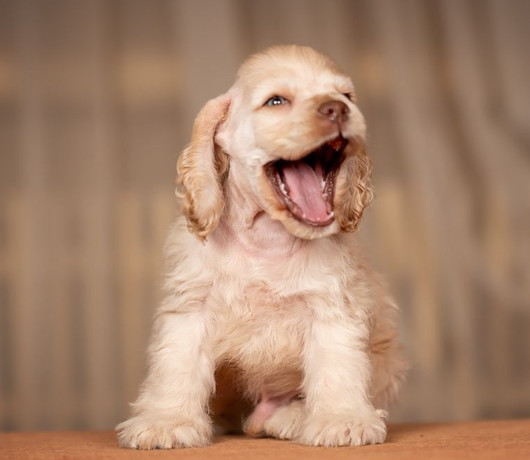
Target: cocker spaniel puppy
(273, 324)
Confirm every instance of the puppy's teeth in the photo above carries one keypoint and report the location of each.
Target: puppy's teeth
(336, 144)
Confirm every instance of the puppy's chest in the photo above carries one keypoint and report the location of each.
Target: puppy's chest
(260, 329)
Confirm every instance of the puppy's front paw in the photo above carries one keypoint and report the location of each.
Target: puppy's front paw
(163, 432)
(344, 429)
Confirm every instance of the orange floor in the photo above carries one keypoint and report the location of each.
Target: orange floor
(507, 440)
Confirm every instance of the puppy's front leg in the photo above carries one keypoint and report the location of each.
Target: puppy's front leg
(337, 375)
(171, 410)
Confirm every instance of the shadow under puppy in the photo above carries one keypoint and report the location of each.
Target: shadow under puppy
(272, 323)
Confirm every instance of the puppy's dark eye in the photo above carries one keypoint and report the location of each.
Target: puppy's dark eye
(348, 96)
(276, 100)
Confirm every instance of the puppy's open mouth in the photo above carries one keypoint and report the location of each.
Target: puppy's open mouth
(307, 186)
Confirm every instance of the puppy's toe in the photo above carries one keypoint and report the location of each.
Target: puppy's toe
(162, 432)
(344, 429)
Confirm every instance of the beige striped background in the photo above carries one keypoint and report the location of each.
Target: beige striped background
(96, 99)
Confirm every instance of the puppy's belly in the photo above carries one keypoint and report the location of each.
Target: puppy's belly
(266, 362)
(263, 340)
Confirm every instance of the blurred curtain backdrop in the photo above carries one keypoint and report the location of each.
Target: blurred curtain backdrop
(98, 97)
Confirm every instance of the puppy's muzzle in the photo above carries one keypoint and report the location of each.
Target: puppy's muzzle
(334, 111)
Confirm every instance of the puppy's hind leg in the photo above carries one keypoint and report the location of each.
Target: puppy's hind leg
(389, 366)
(285, 422)
(277, 416)
(389, 369)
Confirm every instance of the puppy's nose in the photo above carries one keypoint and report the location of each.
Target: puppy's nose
(334, 111)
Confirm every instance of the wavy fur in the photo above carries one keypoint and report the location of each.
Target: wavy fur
(201, 168)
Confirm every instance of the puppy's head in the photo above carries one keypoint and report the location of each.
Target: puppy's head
(291, 124)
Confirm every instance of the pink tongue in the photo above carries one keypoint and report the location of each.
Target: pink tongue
(305, 190)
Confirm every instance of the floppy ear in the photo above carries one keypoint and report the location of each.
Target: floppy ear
(357, 191)
(201, 169)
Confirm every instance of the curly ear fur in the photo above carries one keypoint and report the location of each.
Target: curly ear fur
(358, 191)
(201, 169)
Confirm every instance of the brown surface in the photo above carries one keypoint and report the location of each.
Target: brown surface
(507, 440)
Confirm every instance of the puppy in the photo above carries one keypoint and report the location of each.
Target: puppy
(273, 324)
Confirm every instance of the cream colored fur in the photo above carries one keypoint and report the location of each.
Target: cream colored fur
(304, 326)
